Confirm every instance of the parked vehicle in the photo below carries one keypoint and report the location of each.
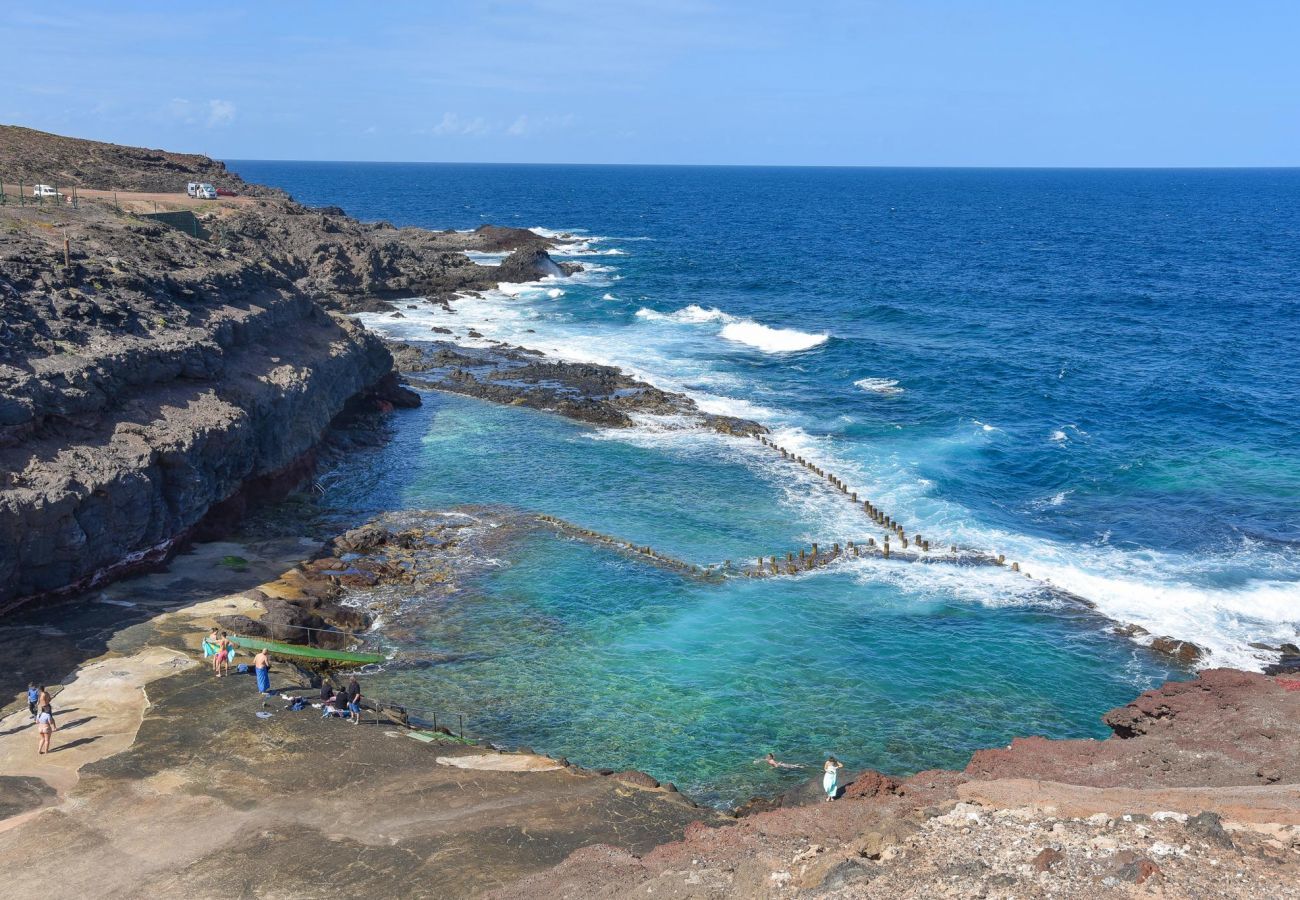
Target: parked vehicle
(192, 188)
(222, 192)
(44, 190)
(206, 192)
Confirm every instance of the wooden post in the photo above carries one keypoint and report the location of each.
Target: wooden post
(67, 253)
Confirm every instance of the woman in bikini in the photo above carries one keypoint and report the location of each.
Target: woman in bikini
(44, 728)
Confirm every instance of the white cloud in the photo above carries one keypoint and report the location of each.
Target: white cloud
(452, 124)
(526, 124)
(220, 112)
(182, 109)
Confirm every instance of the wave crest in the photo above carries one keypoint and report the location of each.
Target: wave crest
(879, 385)
(738, 330)
(771, 340)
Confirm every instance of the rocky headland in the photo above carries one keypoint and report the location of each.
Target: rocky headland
(154, 377)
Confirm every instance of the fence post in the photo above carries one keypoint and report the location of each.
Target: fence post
(462, 725)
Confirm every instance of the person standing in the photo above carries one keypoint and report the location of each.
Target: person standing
(830, 775)
(354, 700)
(223, 655)
(45, 727)
(210, 644)
(44, 700)
(33, 695)
(262, 666)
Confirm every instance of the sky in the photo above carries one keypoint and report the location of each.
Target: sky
(867, 83)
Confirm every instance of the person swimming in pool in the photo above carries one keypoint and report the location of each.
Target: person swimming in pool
(775, 763)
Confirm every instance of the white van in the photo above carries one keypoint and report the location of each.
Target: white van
(206, 192)
(44, 190)
(192, 188)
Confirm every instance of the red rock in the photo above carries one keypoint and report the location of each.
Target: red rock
(871, 784)
(1128, 866)
(1220, 729)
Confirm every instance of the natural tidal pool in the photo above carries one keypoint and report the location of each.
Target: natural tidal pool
(576, 649)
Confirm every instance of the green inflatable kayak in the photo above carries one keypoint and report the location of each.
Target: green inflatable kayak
(349, 656)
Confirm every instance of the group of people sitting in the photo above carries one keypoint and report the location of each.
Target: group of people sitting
(344, 703)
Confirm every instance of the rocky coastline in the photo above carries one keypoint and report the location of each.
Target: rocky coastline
(1194, 794)
(517, 376)
(155, 385)
(153, 380)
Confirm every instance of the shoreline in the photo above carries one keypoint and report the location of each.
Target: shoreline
(520, 375)
(153, 667)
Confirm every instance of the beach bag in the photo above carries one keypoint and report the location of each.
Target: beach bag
(242, 668)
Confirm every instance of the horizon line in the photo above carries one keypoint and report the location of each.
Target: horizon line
(644, 165)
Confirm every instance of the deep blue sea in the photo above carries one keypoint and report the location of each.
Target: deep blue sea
(1092, 372)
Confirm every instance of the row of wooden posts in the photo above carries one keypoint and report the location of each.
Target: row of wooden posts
(639, 549)
(807, 559)
(873, 512)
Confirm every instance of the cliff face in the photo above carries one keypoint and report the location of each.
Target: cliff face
(144, 383)
(148, 375)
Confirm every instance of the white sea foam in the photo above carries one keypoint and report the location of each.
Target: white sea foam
(1220, 602)
(1065, 432)
(738, 330)
(608, 296)
(688, 315)
(771, 340)
(878, 385)
(486, 259)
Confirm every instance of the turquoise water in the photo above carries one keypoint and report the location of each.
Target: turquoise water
(578, 650)
(1093, 372)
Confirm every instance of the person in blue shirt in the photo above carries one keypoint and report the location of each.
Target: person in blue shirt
(33, 694)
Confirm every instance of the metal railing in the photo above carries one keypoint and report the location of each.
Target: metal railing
(416, 716)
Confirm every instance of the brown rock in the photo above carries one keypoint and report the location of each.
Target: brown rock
(1046, 859)
(1128, 866)
(1183, 651)
(640, 779)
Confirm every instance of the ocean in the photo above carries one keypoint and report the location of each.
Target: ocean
(1093, 372)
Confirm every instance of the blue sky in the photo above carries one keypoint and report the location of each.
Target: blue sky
(891, 82)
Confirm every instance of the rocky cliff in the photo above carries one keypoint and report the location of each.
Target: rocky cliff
(150, 376)
(1194, 795)
(36, 156)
